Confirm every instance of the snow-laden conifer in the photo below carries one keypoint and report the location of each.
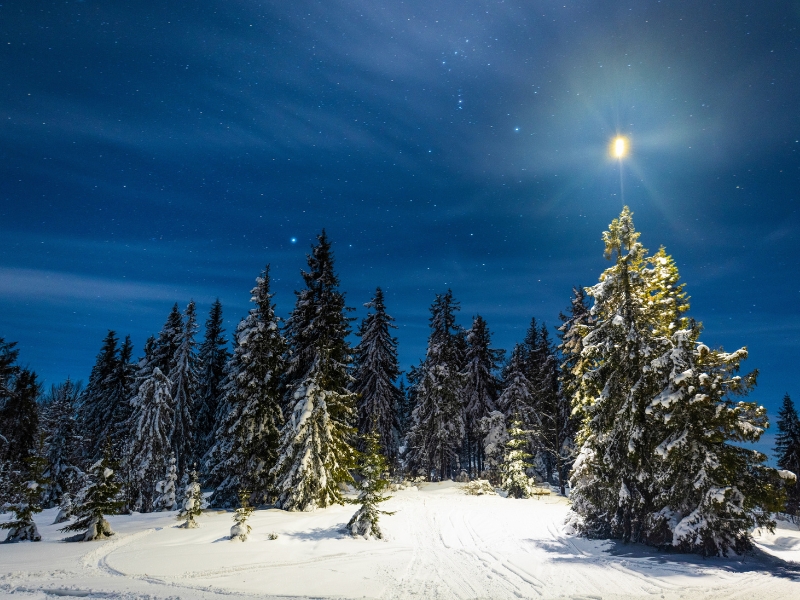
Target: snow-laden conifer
(787, 452)
(149, 444)
(315, 455)
(19, 418)
(438, 420)
(183, 374)
(98, 499)
(63, 442)
(121, 388)
(494, 437)
(513, 476)
(241, 528)
(165, 489)
(318, 323)
(97, 403)
(516, 397)
(374, 376)
(31, 485)
(374, 481)
(193, 503)
(66, 509)
(165, 346)
(211, 358)
(480, 389)
(248, 431)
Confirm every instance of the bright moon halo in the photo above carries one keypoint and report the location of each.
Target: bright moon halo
(619, 146)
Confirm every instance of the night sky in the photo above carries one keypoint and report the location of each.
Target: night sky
(154, 152)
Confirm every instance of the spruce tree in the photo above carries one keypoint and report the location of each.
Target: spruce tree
(248, 432)
(19, 417)
(241, 528)
(787, 451)
(100, 498)
(513, 476)
(168, 341)
(480, 388)
(516, 397)
(193, 503)
(165, 489)
(376, 370)
(96, 404)
(438, 421)
(315, 455)
(183, 374)
(63, 442)
(374, 481)
(211, 357)
(31, 485)
(121, 388)
(574, 325)
(149, 444)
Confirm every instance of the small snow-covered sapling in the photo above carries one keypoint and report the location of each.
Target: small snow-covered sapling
(373, 468)
(241, 529)
(192, 504)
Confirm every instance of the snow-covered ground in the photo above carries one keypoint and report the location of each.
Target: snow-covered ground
(441, 544)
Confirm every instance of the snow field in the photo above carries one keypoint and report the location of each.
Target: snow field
(441, 544)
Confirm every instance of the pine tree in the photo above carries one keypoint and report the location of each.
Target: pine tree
(168, 341)
(513, 476)
(787, 450)
(183, 374)
(63, 441)
(574, 326)
(165, 501)
(241, 528)
(480, 388)
(19, 418)
(211, 357)
(657, 464)
(315, 456)
(438, 422)
(376, 370)
(97, 404)
(66, 509)
(149, 445)
(193, 503)
(318, 324)
(29, 491)
(100, 498)
(121, 388)
(374, 481)
(248, 432)
(516, 397)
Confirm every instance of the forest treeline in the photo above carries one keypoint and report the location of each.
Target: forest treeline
(626, 409)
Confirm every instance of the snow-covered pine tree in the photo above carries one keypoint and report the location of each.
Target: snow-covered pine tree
(494, 434)
(374, 481)
(787, 451)
(513, 476)
(121, 387)
(65, 509)
(315, 454)
(438, 420)
(211, 358)
(574, 325)
(318, 323)
(19, 417)
(165, 489)
(165, 347)
(149, 445)
(375, 371)
(516, 397)
(63, 442)
(31, 485)
(183, 374)
(100, 498)
(480, 389)
(248, 430)
(241, 528)
(96, 404)
(613, 479)
(192, 503)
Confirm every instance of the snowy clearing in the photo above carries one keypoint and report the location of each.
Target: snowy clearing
(441, 544)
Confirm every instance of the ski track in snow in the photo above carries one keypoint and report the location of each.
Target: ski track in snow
(441, 545)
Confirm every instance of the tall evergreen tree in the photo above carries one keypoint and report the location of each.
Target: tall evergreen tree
(168, 341)
(121, 387)
(212, 357)
(376, 370)
(480, 390)
(19, 417)
(318, 322)
(438, 421)
(149, 444)
(63, 441)
(656, 463)
(97, 403)
(183, 374)
(787, 450)
(574, 325)
(248, 432)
